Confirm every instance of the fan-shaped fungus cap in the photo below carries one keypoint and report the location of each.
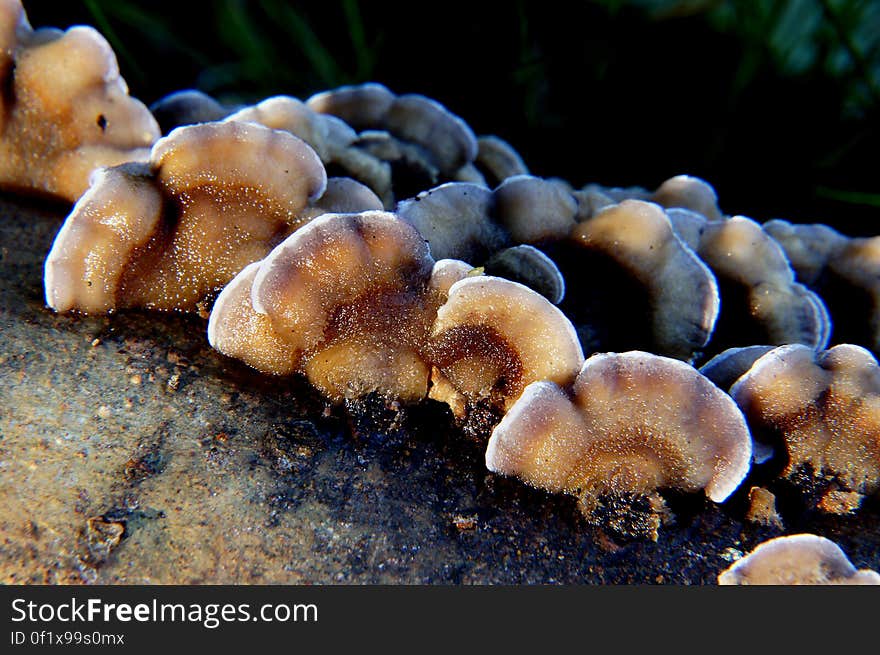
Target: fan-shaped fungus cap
(635, 423)
(799, 559)
(761, 302)
(347, 300)
(455, 220)
(635, 239)
(65, 110)
(214, 198)
(691, 193)
(493, 337)
(363, 106)
(498, 160)
(187, 107)
(529, 266)
(535, 210)
(845, 271)
(344, 195)
(824, 406)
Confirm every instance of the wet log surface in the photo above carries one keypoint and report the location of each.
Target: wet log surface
(131, 452)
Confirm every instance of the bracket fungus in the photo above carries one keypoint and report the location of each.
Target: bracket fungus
(456, 220)
(214, 198)
(761, 301)
(492, 337)
(633, 284)
(845, 271)
(534, 210)
(798, 559)
(187, 107)
(357, 304)
(65, 110)
(497, 160)
(411, 117)
(688, 192)
(822, 408)
(632, 424)
(345, 300)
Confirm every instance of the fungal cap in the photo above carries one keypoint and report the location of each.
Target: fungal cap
(528, 265)
(454, 218)
(800, 559)
(186, 107)
(826, 406)
(727, 367)
(243, 157)
(426, 122)
(362, 106)
(535, 210)
(291, 115)
(66, 111)
(91, 250)
(636, 422)
(690, 193)
(683, 292)
(499, 159)
(493, 337)
(347, 297)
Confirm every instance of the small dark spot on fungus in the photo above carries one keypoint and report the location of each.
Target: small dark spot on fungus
(102, 122)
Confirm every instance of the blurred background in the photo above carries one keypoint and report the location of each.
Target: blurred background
(775, 102)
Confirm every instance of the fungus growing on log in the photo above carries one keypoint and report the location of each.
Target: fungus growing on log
(631, 425)
(824, 408)
(65, 111)
(171, 233)
(798, 559)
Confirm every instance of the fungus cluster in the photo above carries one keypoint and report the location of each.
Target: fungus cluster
(430, 265)
(357, 304)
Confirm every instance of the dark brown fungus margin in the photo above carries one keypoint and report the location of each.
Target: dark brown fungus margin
(633, 424)
(65, 110)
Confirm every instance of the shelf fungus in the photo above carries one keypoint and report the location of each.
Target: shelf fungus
(823, 412)
(170, 234)
(632, 284)
(631, 425)
(356, 303)
(845, 271)
(760, 300)
(798, 559)
(64, 111)
(491, 338)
